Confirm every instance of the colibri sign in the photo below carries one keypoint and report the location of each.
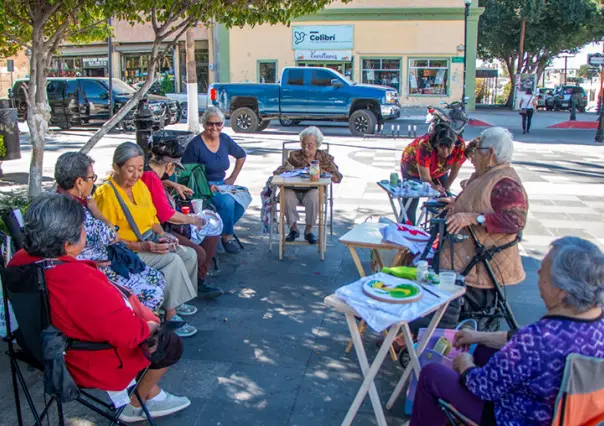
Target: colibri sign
(323, 37)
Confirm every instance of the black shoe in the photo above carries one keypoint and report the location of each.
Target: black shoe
(292, 236)
(231, 247)
(310, 237)
(523, 132)
(205, 292)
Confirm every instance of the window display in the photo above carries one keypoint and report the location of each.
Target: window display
(429, 77)
(384, 72)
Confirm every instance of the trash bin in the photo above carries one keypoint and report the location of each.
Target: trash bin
(10, 147)
(182, 136)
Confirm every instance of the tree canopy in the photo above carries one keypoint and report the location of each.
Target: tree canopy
(552, 27)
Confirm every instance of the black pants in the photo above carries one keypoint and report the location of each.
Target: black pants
(412, 210)
(527, 119)
(172, 347)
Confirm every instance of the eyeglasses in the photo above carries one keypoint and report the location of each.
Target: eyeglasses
(93, 177)
(214, 123)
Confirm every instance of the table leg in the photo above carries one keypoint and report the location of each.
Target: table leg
(321, 221)
(357, 261)
(404, 218)
(421, 345)
(362, 328)
(394, 210)
(369, 372)
(398, 257)
(281, 222)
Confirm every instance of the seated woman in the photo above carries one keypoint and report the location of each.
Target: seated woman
(433, 158)
(310, 141)
(156, 248)
(164, 161)
(75, 177)
(84, 305)
(514, 379)
(212, 148)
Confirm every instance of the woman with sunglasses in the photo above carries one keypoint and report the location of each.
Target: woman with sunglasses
(434, 158)
(212, 148)
(75, 177)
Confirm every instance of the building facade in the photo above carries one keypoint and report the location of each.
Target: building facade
(20, 70)
(415, 46)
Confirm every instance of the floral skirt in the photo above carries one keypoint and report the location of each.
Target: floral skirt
(148, 285)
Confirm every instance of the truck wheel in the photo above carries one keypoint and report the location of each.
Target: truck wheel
(362, 122)
(287, 122)
(263, 125)
(244, 120)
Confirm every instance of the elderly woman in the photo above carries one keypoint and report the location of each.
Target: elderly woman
(212, 148)
(165, 158)
(310, 141)
(75, 177)
(514, 379)
(85, 306)
(434, 158)
(126, 202)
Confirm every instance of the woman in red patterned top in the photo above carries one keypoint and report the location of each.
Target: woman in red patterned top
(434, 158)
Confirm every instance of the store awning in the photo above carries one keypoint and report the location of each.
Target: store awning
(94, 50)
(136, 48)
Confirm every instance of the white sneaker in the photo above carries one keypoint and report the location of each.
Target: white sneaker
(172, 404)
(132, 414)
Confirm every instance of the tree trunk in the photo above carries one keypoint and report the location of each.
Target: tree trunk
(192, 94)
(521, 51)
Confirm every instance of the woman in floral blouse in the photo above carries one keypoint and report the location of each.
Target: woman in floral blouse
(310, 140)
(75, 177)
(434, 158)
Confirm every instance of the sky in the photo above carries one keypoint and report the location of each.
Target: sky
(581, 57)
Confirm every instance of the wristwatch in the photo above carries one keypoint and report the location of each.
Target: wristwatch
(480, 219)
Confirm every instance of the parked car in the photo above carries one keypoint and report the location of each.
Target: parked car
(562, 95)
(306, 93)
(545, 96)
(85, 100)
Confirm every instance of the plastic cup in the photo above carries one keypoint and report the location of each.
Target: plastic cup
(447, 278)
(186, 210)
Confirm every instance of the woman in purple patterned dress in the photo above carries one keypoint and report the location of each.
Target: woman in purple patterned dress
(75, 176)
(514, 378)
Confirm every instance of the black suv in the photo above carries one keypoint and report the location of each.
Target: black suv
(561, 98)
(83, 100)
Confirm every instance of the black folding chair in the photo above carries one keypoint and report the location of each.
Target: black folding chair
(25, 288)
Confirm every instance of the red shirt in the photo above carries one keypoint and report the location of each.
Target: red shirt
(158, 194)
(421, 153)
(85, 306)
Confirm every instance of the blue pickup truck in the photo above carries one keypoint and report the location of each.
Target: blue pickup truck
(306, 93)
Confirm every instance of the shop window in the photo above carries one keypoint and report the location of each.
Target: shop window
(429, 77)
(134, 70)
(384, 72)
(202, 61)
(295, 77)
(267, 71)
(320, 78)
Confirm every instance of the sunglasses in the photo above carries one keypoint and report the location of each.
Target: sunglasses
(214, 123)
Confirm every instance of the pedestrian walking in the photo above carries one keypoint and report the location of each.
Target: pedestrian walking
(527, 106)
(576, 102)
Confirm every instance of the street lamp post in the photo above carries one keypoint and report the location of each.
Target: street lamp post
(467, 3)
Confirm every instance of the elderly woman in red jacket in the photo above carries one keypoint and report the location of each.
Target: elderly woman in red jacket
(85, 306)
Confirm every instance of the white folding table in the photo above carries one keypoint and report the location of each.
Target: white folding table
(404, 201)
(447, 293)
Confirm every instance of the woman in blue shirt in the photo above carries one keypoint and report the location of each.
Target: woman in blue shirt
(212, 148)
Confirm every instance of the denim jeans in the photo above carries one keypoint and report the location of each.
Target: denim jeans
(229, 210)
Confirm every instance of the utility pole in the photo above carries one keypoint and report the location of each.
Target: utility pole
(110, 69)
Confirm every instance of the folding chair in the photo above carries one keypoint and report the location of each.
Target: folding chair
(25, 288)
(194, 177)
(580, 401)
(454, 416)
(287, 148)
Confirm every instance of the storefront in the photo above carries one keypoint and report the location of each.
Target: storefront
(79, 66)
(134, 68)
(202, 62)
(418, 49)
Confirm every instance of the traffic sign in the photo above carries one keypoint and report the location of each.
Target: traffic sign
(595, 59)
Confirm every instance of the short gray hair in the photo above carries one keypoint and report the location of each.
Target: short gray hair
(211, 112)
(501, 141)
(312, 131)
(125, 152)
(578, 269)
(69, 167)
(51, 221)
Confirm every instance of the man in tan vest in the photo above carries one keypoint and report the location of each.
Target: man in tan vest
(495, 205)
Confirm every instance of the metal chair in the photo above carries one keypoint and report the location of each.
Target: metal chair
(287, 148)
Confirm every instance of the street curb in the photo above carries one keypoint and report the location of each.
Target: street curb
(591, 125)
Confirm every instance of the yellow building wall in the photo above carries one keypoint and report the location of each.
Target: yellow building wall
(396, 3)
(400, 39)
(21, 71)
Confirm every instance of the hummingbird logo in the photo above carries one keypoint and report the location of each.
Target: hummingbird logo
(299, 36)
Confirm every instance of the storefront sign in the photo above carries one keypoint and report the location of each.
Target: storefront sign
(457, 59)
(323, 37)
(94, 62)
(323, 55)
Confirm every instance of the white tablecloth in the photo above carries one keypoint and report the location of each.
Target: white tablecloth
(380, 315)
